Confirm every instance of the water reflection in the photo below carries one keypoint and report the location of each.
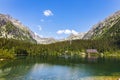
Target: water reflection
(52, 68)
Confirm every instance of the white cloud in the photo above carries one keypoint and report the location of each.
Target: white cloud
(67, 31)
(47, 13)
(40, 28)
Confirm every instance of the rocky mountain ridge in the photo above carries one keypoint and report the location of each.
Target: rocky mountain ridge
(75, 36)
(44, 40)
(98, 30)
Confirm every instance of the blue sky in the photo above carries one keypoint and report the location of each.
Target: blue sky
(59, 18)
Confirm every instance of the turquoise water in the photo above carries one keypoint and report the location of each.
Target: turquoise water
(51, 68)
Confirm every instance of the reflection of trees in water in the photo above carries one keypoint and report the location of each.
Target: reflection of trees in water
(17, 68)
(18, 71)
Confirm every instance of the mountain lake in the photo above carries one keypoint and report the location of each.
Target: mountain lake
(56, 68)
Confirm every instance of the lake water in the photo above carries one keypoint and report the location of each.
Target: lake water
(51, 68)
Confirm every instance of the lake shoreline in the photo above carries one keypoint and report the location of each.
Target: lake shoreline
(106, 54)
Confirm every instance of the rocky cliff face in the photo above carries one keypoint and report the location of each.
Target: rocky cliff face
(14, 29)
(102, 28)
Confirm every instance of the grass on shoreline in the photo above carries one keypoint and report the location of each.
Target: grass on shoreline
(101, 78)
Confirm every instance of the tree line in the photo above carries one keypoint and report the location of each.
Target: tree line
(9, 48)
